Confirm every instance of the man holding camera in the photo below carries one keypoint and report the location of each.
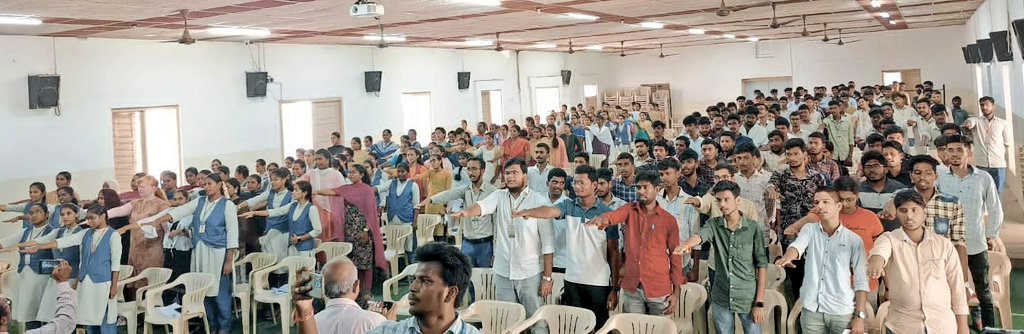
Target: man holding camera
(64, 320)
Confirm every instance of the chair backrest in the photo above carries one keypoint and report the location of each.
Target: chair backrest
(567, 319)
(691, 297)
(483, 284)
(425, 224)
(395, 237)
(998, 245)
(334, 249)
(196, 286)
(557, 284)
(774, 252)
(883, 312)
(496, 316)
(775, 277)
(125, 272)
(793, 319)
(777, 312)
(296, 263)
(156, 276)
(8, 283)
(255, 260)
(4, 266)
(634, 323)
(999, 271)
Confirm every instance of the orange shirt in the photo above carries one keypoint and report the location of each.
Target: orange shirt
(866, 225)
(650, 239)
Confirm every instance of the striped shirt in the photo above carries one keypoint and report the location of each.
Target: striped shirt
(977, 195)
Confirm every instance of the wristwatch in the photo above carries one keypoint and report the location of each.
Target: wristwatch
(546, 278)
(861, 314)
(759, 304)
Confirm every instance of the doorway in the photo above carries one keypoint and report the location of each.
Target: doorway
(145, 140)
(911, 77)
(490, 106)
(765, 85)
(309, 124)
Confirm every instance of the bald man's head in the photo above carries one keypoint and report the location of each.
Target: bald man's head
(341, 279)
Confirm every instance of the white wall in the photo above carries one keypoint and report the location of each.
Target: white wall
(701, 76)
(1004, 82)
(207, 82)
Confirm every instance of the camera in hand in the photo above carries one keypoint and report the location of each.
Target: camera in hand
(315, 285)
(46, 266)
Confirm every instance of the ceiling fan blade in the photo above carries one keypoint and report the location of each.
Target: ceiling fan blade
(671, 54)
(783, 23)
(851, 42)
(742, 7)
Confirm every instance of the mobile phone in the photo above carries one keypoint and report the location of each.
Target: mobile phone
(382, 305)
(316, 285)
(46, 266)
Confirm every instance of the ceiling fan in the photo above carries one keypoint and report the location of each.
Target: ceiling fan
(381, 44)
(724, 10)
(804, 33)
(571, 51)
(824, 30)
(622, 49)
(841, 43)
(775, 21)
(497, 42)
(661, 48)
(186, 37)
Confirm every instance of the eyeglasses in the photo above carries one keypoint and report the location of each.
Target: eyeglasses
(872, 166)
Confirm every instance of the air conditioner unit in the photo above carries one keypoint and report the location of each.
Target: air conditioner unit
(366, 9)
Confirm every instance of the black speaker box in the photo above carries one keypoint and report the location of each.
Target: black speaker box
(372, 81)
(975, 53)
(463, 80)
(1001, 45)
(967, 55)
(987, 52)
(256, 84)
(1018, 29)
(43, 91)
(566, 75)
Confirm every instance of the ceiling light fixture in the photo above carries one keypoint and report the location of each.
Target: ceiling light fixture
(20, 20)
(595, 47)
(652, 25)
(544, 45)
(729, 36)
(581, 16)
(696, 31)
(892, 22)
(753, 39)
(478, 42)
(387, 38)
(232, 31)
(876, 3)
(884, 15)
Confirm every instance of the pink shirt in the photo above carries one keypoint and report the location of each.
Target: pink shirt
(344, 316)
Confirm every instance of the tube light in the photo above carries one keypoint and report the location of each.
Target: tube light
(232, 31)
(696, 31)
(479, 42)
(596, 47)
(581, 16)
(544, 45)
(30, 21)
(652, 25)
(387, 38)
(884, 15)
(753, 39)
(892, 22)
(876, 3)
(729, 36)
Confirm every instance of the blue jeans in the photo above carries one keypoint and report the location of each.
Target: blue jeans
(105, 328)
(480, 253)
(998, 175)
(218, 309)
(725, 321)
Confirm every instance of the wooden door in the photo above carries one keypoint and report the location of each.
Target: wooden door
(127, 138)
(326, 120)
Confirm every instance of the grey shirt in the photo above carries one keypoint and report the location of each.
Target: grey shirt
(830, 262)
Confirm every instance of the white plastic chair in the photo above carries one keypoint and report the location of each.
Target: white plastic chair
(155, 277)
(8, 282)
(333, 250)
(691, 300)
(196, 285)
(483, 284)
(635, 323)
(263, 294)
(496, 316)
(395, 236)
(425, 225)
(242, 279)
(883, 312)
(396, 279)
(776, 276)
(999, 277)
(560, 320)
(775, 316)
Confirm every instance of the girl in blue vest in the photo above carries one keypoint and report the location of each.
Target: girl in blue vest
(65, 198)
(31, 284)
(36, 194)
(97, 278)
(68, 225)
(274, 239)
(401, 196)
(303, 227)
(214, 231)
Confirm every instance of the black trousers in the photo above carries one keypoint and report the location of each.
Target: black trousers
(178, 262)
(591, 297)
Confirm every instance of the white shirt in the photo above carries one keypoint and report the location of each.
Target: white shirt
(754, 189)
(559, 226)
(344, 316)
(991, 140)
(757, 133)
(602, 133)
(831, 261)
(314, 216)
(537, 180)
(901, 115)
(772, 161)
(519, 244)
(262, 198)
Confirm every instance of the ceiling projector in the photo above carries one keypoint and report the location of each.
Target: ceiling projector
(366, 9)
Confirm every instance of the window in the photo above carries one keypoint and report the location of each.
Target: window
(911, 77)
(416, 113)
(309, 124)
(145, 140)
(546, 99)
(589, 90)
(890, 77)
(490, 101)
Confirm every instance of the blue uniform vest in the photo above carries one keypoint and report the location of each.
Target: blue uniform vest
(279, 223)
(35, 260)
(96, 263)
(24, 222)
(401, 205)
(301, 226)
(71, 254)
(215, 234)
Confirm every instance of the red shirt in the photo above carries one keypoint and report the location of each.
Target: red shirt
(515, 148)
(650, 239)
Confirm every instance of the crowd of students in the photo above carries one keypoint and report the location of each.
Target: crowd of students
(918, 210)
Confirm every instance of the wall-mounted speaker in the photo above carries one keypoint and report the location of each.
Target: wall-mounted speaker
(372, 81)
(1018, 29)
(987, 52)
(566, 75)
(975, 53)
(967, 55)
(1001, 45)
(256, 84)
(463, 80)
(43, 91)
